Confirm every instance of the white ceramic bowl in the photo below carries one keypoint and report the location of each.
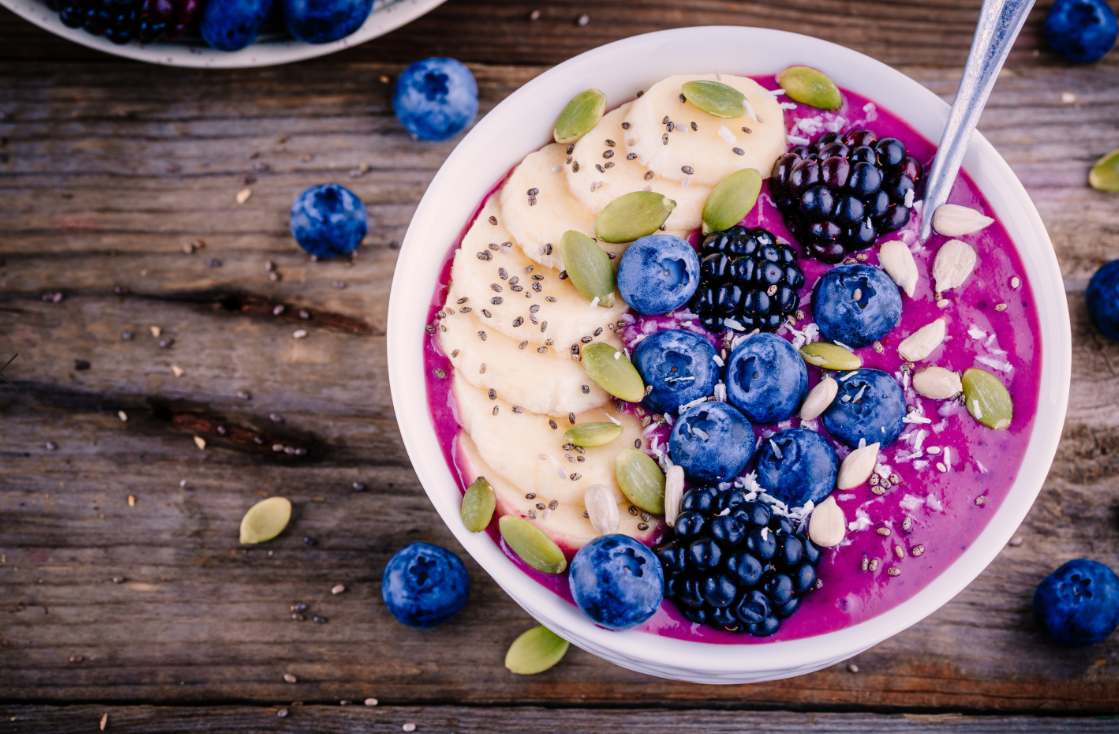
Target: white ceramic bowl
(522, 123)
(387, 15)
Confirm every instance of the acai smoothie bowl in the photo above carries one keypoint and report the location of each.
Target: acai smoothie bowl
(672, 362)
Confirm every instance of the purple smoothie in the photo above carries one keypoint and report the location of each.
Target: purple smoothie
(952, 473)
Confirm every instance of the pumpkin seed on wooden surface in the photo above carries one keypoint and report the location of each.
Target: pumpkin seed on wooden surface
(535, 651)
(265, 520)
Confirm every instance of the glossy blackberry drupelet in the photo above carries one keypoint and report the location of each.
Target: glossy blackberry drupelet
(746, 276)
(712, 442)
(870, 406)
(678, 365)
(766, 378)
(658, 274)
(616, 581)
(797, 466)
(329, 220)
(1103, 300)
(117, 20)
(844, 190)
(1078, 604)
(1081, 30)
(424, 585)
(743, 571)
(856, 305)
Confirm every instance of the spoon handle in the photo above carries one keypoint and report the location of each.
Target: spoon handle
(1000, 21)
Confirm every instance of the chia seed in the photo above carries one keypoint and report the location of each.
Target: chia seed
(642, 526)
(493, 219)
(530, 496)
(649, 175)
(518, 409)
(738, 151)
(633, 510)
(439, 373)
(318, 619)
(552, 423)
(687, 170)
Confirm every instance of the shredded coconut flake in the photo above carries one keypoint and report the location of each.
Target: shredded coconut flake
(749, 109)
(909, 502)
(594, 304)
(996, 364)
(727, 135)
(732, 324)
(934, 503)
(796, 139)
(776, 449)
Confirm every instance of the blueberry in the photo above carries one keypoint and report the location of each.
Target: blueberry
(323, 21)
(747, 569)
(762, 543)
(1081, 30)
(424, 585)
(230, 25)
(616, 581)
(328, 220)
(869, 405)
(753, 607)
(719, 591)
(435, 98)
(658, 274)
(766, 378)
(797, 466)
(679, 365)
(1078, 604)
(856, 305)
(704, 554)
(711, 442)
(1103, 300)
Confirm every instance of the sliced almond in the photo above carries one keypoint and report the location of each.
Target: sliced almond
(818, 399)
(602, 510)
(953, 220)
(954, 264)
(827, 526)
(673, 493)
(898, 263)
(857, 467)
(937, 383)
(921, 343)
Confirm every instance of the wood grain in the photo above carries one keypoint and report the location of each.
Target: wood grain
(359, 719)
(111, 168)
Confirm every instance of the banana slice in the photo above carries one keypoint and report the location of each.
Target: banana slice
(537, 221)
(708, 150)
(565, 524)
(594, 189)
(542, 383)
(523, 448)
(515, 296)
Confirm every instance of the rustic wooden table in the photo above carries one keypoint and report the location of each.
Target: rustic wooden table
(124, 589)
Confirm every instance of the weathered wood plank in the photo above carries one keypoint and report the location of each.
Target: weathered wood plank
(88, 203)
(361, 719)
(501, 32)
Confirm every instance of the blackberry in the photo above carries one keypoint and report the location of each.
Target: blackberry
(123, 21)
(742, 571)
(745, 275)
(842, 192)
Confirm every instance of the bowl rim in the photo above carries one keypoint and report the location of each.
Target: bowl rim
(451, 197)
(384, 17)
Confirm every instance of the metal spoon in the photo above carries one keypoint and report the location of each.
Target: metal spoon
(1000, 21)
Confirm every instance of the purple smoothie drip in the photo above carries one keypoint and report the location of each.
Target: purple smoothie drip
(945, 518)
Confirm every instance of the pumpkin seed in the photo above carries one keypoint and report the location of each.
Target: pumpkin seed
(987, 399)
(589, 435)
(535, 651)
(640, 480)
(632, 216)
(730, 201)
(611, 371)
(715, 98)
(265, 520)
(1104, 176)
(478, 505)
(830, 356)
(532, 544)
(588, 267)
(808, 86)
(580, 116)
